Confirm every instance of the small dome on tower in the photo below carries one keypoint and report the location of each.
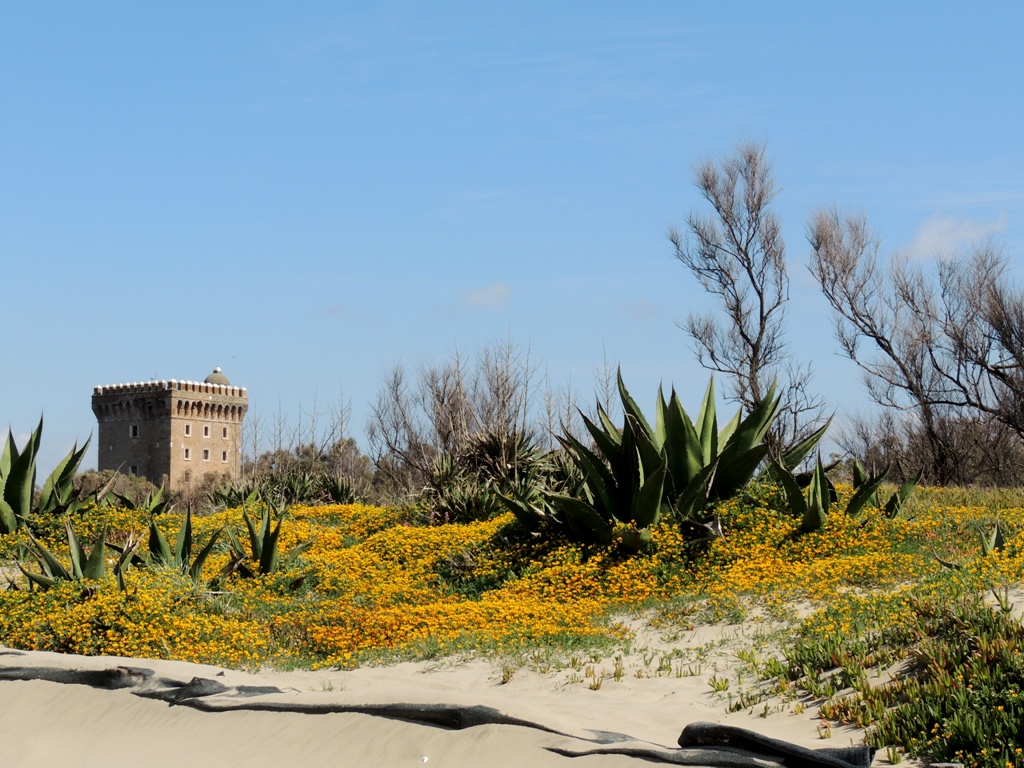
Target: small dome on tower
(217, 378)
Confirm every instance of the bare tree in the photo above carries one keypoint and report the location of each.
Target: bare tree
(983, 325)
(252, 436)
(446, 408)
(945, 347)
(988, 452)
(561, 414)
(894, 311)
(318, 444)
(738, 255)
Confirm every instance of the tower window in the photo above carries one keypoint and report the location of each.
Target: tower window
(188, 455)
(224, 433)
(188, 430)
(133, 469)
(134, 430)
(224, 456)
(206, 430)
(206, 454)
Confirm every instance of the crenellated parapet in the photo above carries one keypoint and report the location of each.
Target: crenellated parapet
(157, 399)
(144, 387)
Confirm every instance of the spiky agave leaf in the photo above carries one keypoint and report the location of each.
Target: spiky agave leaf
(894, 506)
(256, 539)
(690, 505)
(183, 544)
(95, 567)
(793, 457)
(752, 430)
(794, 494)
(867, 491)
(51, 566)
(660, 421)
(268, 554)
(59, 489)
(293, 554)
(707, 425)
(124, 561)
(610, 429)
(993, 542)
(683, 450)
(599, 480)
(816, 512)
(20, 479)
(629, 406)
(860, 476)
(159, 548)
(746, 449)
(8, 520)
(195, 570)
(236, 559)
(526, 513)
(10, 453)
(84, 565)
(646, 508)
(583, 522)
(78, 554)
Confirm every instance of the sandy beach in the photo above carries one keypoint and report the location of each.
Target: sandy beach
(47, 723)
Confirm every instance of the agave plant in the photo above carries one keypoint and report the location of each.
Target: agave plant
(263, 545)
(338, 490)
(455, 494)
(154, 503)
(84, 564)
(238, 493)
(180, 557)
(18, 483)
(991, 542)
(813, 507)
(637, 474)
(894, 505)
(470, 484)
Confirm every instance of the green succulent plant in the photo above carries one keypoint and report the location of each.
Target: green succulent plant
(153, 504)
(894, 504)
(18, 483)
(84, 565)
(263, 545)
(472, 483)
(180, 557)
(237, 493)
(813, 507)
(636, 475)
(338, 490)
(991, 542)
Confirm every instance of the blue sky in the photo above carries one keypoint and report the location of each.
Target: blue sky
(307, 193)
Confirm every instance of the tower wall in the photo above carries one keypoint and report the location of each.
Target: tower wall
(170, 431)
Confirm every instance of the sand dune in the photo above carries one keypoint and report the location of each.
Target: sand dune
(51, 723)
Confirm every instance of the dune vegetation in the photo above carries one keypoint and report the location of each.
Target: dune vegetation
(375, 584)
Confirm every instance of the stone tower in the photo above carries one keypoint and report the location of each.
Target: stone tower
(172, 432)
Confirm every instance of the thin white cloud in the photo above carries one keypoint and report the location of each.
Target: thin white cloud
(334, 310)
(641, 309)
(939, 235)
(492, 297)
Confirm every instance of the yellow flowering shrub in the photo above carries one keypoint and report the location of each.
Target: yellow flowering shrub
(373, 585)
